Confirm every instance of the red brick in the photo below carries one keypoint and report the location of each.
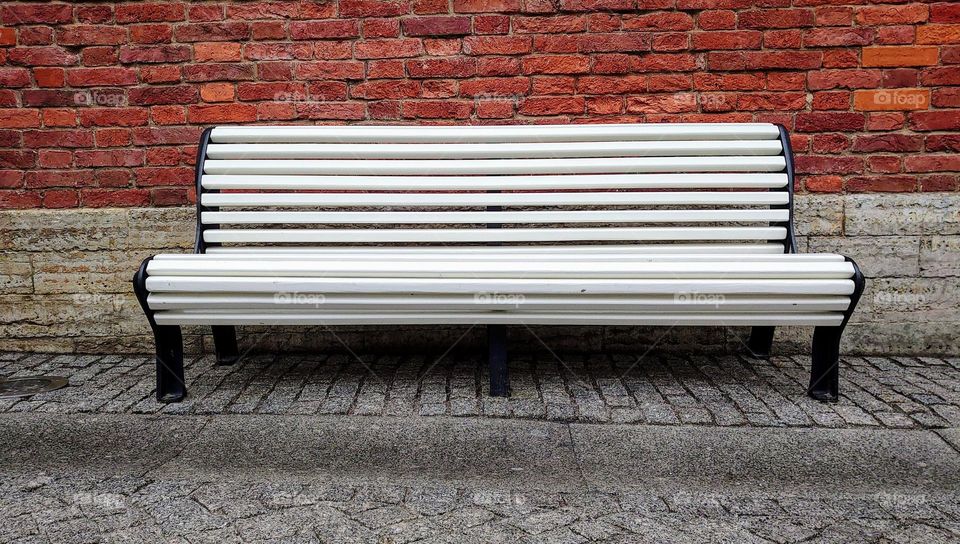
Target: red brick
(823, 184)
(843, 79)
(549, 25)
(372, 8)
(57, 138)
(160, 74)
(62, 198)
(14, 77)
(443, 47)
(938, 34)
(151, 96)
(442, 67)
(436, 109)
(381, 28)
(389, 48)
(217, 92)
(657, 103)
(886, 121)
(491, 24)
(884, 184)
(120, 157)
(220, 32)
(41, 56)
(227, 113)
(828, 164)
(775, 18)
(216, 52)
(143, 12)
(834, 16)
(891, 99)
(8, 36)
(945, 12)
(941, 183)
(35, 35)
(941, 76)
(18, 200)
(19, 118)
(107, 117)
(717, 20)
(99, 56)
(829, 122)
(11, 179)
(218, 72)
(496, 45)
(556, 64)
(838, 37)
(943, 142)
(320, 30)
(340, 111)
(539, 106)
(743, 39)
(91, 35)
(935, 120)
(658, 21)
(900, 56)
(163, 176)
(93, 13)
(113, 137)
(485, 6)
(36, 13)
(764, 60)
(436, 26)
(386, 89)
(100, 198)
(330, 70)
(154, 54)
(96, 77)
(262, 10)
(892, 15)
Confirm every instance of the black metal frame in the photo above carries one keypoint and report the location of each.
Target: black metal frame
(824, 374)
(825, 359)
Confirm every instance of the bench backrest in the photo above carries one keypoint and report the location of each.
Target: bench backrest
(666, 187)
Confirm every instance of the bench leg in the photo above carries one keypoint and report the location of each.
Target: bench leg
(171, 386)
(825, 368)
(497, 352)
(225, 344)
(761, 342)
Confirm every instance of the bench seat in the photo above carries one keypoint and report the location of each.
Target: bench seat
(674, 225)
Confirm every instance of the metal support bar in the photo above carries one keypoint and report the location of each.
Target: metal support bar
(497, 351)
(171, 386)
(761, 342)
(225, 344)
(825, 364)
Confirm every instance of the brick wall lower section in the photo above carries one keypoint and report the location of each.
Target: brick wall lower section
(101, 104)
(65, 285)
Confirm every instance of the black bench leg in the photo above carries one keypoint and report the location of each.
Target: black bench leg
(225, 344)
(761, 342)
(497, 351)
(825, 370)
(171, 386)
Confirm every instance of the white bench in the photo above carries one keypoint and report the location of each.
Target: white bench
(648, 224)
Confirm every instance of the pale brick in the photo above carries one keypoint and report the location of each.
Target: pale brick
(890, 256)
(818, 215)
(906, 214)
(940, 256)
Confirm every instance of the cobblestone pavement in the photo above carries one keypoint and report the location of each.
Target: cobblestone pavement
(137, 509)
(75, 503)
(890, 392)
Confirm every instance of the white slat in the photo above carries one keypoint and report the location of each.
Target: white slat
(412, 218)
(425, 255)
(532, 303)
(529, 250)
(509, 133)
(469, 318)
(496, 166)
(491, 235)
(351, 182)
(771, 198)
(514, 286)
(553, 150)
(291, 267)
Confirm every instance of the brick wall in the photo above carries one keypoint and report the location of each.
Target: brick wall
(102, 104)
